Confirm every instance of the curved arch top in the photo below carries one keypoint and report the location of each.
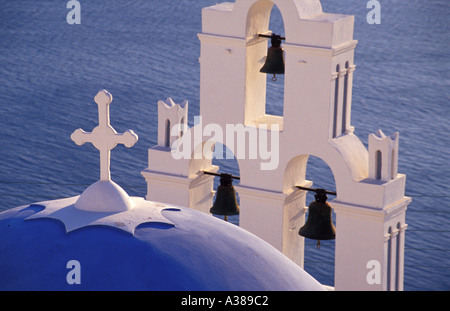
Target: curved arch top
(258, 12)
(245, 18)
(347, 159)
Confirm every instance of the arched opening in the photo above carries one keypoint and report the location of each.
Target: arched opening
(389, 259)
(264, 99)
(393, 164)
(275, 89)
(167, 134)
(345, 100)
(397, 257)
(214, 157)
(299, 171)
(320, 262)
(378, 164)
(224, 159)
(336, 103)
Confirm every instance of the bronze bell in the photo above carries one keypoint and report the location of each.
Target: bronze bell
(275, 58)
(226, 202)
(319, 225)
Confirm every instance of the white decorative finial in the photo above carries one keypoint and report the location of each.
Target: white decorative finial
(104, 195)
(104, 202)
(104, 137)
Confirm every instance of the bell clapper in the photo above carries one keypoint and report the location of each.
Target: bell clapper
(274, 78)
(318, 244)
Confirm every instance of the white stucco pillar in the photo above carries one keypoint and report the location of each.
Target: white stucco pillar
(365, 236)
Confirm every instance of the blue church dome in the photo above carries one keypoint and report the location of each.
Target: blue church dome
(104, 240)
(191, 251)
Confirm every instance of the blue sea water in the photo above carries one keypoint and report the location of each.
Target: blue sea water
(144, 51)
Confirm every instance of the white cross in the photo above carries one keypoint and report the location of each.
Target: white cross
(104, 137)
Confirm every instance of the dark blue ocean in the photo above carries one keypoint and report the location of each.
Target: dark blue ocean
(144, 51)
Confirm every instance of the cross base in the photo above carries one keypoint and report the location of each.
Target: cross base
(104, 196)
(76, 219)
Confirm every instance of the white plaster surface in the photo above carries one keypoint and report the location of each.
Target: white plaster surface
(73, 218)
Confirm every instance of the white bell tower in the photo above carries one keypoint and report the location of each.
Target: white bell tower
(319, 65)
